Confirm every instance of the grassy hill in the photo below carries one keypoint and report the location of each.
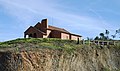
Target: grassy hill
(36, 43)
(21, 44)
(46, 54)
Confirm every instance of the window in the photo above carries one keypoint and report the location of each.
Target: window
(66, 37)
(30, 35)
(35, 35)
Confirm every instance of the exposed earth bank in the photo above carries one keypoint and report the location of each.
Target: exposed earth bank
(45, 59)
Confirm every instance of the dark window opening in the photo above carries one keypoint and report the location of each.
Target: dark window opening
(35, 35)
(50, 35)
(30, 35)
(78, 40)
(67, 37)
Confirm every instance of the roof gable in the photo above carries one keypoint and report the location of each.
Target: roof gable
(33, 28)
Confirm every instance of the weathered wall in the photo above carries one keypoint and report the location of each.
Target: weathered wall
(55, 34)
(82, 59)
(65, 36)
(32, 31)
(48, 34)
(74, 37)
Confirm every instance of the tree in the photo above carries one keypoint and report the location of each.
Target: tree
(118, 32)
(113, 36)
(107, 33)
(89, 38)
(96, 38)
(102, 36)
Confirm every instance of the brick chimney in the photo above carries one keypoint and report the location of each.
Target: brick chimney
(44, 24)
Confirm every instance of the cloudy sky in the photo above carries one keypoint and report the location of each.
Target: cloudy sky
(84, 17)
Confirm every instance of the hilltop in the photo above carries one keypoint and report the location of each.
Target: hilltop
(45, 54)
(36, 43)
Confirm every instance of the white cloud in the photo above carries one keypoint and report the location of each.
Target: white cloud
(28, 10)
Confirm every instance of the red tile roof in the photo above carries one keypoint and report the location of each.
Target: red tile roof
(58, 29)
(61, 30)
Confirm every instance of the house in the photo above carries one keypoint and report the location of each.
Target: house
(43, 30)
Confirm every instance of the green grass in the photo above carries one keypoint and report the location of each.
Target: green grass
(106, 69)
(31, 43)
(34, 40)
(52, 43)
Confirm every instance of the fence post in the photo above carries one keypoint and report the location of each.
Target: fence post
(98, 42)
(89, 42)
(83, 41)
(78, 41)
(114, 42)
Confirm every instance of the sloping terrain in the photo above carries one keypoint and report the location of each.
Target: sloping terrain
(57, 55)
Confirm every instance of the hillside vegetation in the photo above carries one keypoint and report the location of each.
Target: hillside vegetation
(36, 43)
(45, 54)
(45, 43)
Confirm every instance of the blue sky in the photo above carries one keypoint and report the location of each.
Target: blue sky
(84, 17)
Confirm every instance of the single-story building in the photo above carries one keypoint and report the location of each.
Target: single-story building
(43, 30)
